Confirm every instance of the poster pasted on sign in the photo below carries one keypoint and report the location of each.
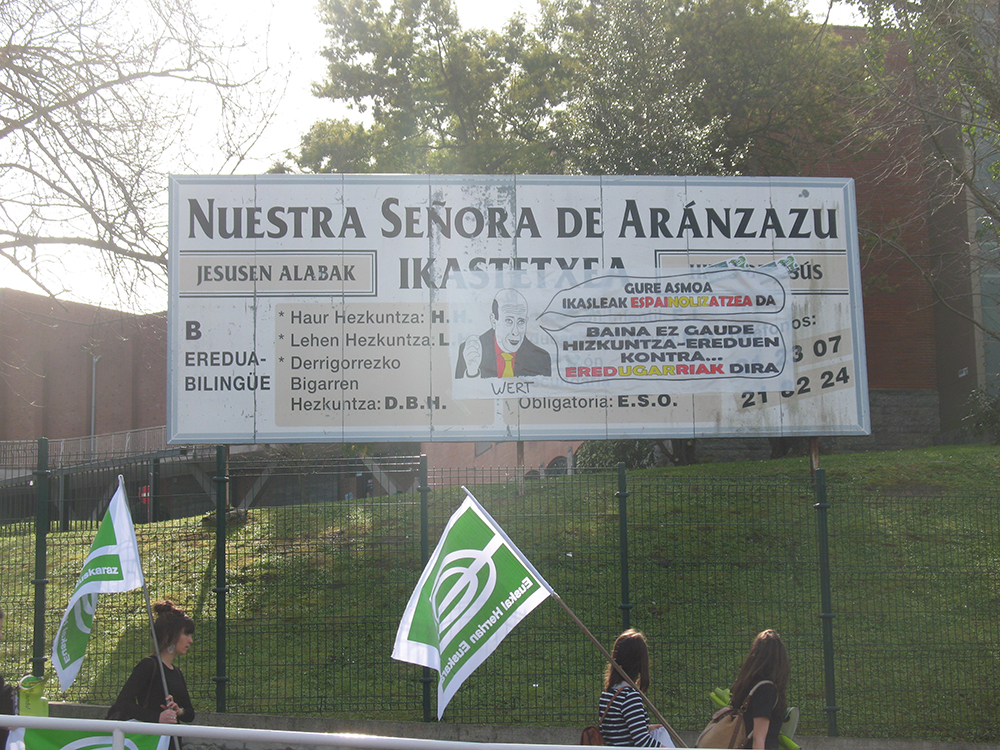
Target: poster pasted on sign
(423, 308)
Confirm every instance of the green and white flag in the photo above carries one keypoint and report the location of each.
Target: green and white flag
(62, 739)
(476, 587)
(112, 566)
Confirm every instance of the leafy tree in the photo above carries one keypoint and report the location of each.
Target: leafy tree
(560, 95)
(748, 86)
(442, 99)
(630, 110)
(592, 86)
(94, 93)
(338, 146)
(784, 83)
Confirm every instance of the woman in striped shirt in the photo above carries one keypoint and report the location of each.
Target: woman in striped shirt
(624, 721)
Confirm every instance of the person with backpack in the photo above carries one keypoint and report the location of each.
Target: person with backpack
(624, 720)
(765, 674)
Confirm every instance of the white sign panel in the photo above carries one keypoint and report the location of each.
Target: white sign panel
(423, 308)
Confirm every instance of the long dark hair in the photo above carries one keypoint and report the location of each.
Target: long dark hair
(170, 623)
(767, 660)
(632, 655)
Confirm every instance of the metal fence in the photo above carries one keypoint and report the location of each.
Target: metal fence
(297, 609)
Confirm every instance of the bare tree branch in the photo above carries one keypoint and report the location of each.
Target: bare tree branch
(94, 97)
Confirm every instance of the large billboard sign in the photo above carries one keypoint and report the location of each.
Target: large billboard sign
(446, 308)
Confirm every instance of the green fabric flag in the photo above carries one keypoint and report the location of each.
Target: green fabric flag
(63, 739)
(476, 587)
(112, 566)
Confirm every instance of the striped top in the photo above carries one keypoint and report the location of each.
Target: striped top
(626, 723)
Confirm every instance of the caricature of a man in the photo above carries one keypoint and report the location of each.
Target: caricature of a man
(503, 351)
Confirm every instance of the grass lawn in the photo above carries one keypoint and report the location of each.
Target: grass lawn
(316, 592)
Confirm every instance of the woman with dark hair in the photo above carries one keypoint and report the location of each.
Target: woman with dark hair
(142, 696)
(767, 661)
(623, 718)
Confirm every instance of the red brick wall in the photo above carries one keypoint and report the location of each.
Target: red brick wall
(46, 368)
(897, 301)
(890, 187)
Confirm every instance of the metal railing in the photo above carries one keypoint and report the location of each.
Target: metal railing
(214, 737)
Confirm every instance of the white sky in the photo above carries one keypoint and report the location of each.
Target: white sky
(294, 37)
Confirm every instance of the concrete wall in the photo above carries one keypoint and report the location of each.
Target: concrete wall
(539, 455)
(467, 732)
(901, 419)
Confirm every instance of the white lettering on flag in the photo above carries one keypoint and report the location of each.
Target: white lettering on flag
(111, 566)
(475, 588)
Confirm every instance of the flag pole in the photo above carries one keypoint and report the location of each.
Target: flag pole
(670, 730)
(175, 741)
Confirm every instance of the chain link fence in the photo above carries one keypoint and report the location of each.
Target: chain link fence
(321, 554)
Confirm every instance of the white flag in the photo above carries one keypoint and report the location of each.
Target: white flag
(476, 587)
(112, 565)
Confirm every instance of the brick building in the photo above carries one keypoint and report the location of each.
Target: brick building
(70, 370)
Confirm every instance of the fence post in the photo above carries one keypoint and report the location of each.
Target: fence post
(42, 474)
(221, 589)
(425, 552)
(153, 501)
(622, 496)
(826, 602)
